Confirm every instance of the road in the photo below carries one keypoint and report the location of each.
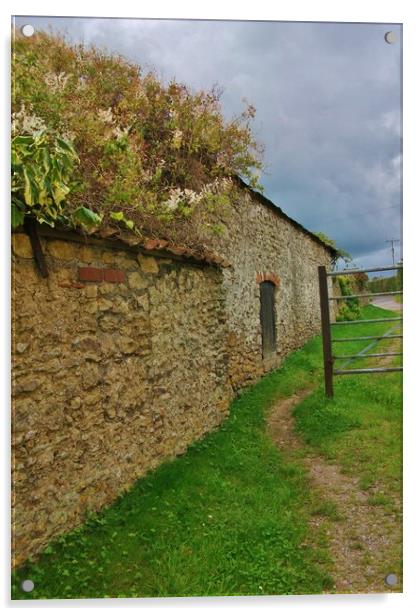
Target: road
(387, 301)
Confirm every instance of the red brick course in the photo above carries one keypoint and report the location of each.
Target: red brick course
(91, 274)
(114, 275)
(97, 274)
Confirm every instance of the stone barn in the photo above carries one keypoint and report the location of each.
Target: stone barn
(271, 288)
(123, 355)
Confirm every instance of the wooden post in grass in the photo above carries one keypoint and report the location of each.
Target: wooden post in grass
(326, 331)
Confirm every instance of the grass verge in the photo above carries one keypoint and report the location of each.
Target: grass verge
(360, 430)
(361, 427)
(231, 516)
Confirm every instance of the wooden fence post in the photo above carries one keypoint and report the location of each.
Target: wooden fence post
(31, 229)
(326, 331)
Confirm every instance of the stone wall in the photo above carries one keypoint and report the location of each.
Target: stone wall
(105, 351)
(263, 245)
(122, 359)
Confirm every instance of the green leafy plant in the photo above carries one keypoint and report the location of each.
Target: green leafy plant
(350, 309)
(86, 217)
(120, 217)
(43, 166)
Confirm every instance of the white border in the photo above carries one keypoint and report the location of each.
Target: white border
(385, 11)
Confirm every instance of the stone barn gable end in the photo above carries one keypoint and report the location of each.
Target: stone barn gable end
(125, 355)
(265, 245)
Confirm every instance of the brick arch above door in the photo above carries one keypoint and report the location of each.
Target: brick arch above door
(268, 277)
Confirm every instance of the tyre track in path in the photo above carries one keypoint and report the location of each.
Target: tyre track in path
(363, 538)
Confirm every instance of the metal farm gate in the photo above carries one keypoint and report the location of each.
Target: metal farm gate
(327, 340)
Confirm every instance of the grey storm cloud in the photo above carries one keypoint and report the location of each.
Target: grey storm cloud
(328, 99)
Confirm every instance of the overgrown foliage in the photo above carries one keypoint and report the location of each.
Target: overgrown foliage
(387, 283)
(340, 252)
(42, 169)
(353, 284)
(96, 141)
(349, 309)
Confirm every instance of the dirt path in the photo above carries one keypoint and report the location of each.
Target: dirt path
(362, 537)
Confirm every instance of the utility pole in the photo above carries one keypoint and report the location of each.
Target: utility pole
(392, 248)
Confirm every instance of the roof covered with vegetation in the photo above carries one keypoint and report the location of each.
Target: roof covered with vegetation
(100, 146)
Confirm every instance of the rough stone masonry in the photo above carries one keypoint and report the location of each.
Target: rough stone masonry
(264, 244)
(121, 360)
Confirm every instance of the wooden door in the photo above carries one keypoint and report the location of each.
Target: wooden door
(268, 318)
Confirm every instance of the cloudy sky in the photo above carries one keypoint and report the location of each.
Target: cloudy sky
(328, 99)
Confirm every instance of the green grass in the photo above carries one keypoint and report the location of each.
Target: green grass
(227, 518)
(231, 516)
(327, 509)
(360, 430)
(361, 427)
